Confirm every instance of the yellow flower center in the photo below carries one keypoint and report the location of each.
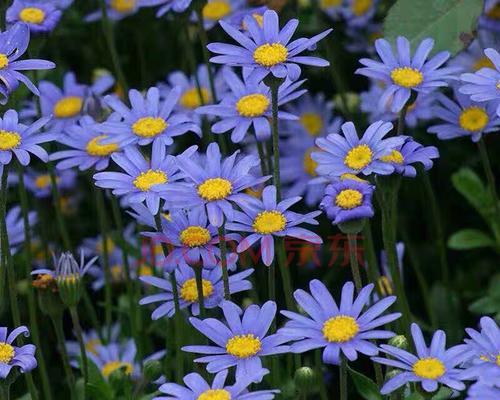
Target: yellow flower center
(243, 346)
(384, 286)
(358, 157)
(215, 394)
(361, 7)
(148, 179)
(429, 368)
(6, 353)
(339, 329)
(349, 199)
(149, 126)
(116, 273)
(189, 290)
(267, 222)
(257, 192)
(194, 236)
(325, 4)
(32, 15)
(68, 107)
(110, 246)
(91, 346)
(216, 10)
(145, 270)
(483, 62)
(192, 98)
(473, 119)
(9, 140)
(4, 61)
(215, 189)
(309, 164)
(122, 6)
(112, 366)
(43, 181)
(494, 13)
(312, 123)
(258, 17)
(407, 77)
(353, 177)
(269, 55)
(98, 149)
(252, 105)
(394, 157)
(498, 360)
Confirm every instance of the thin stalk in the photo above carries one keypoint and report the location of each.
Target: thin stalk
(371, 256)
(5, 392)
(274, 86)
(271, 281)
(485, 159)
(58, 328)
(352, 238)
(223, 259)
(285, 272)
(198, 274)
(32, 309)
(402, 118)
(319, 371)
(89, 307)
(262, 156)
(3, 234)
(83, 353)
(56, 200)
(343, 378)
(338, 80)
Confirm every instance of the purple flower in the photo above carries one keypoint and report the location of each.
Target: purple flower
(15, 226)
(362, 39)
(472, 59)
(349, 154)
(218, 10)
(266, 218)
(148, 120)
(345, 328)
(402, 74)
(119, 9)
(92, 339)
(215, 183)
(67, 268)
(267, 49)
(464, 118)
(198, 388)
(347, 200)
(431, 366)
(332, 8)
(178, 6)
(359, 12)
(40, 183)
(241, 342)
(213, 289)
(143, 180)
(20, 140)
(484, 85)
(40, 16)
(249, 103)
(481, 391)
(237, 19)
(13, 44)
(88, 147)
(12, 356)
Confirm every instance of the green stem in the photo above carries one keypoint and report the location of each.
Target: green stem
(319, 371)
(353, 249)
(56, 200)
(402, 118)
(331, 51)
(3, 235)
(223, 259)
(5, 392)
(285, 272)
(343, 378)
(485, 159)
(83, 353)
(371, 256)
(32, 309)
(262, 156)
(274, 86)
(58, 328)
(198, 274)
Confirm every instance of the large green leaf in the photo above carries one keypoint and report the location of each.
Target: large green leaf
(468, 183)
(466, 239)
(448, 22)
(365, 387)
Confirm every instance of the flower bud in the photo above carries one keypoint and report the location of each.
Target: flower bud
(68, 280)
(305, 379)
(399, 341)
(152, 370)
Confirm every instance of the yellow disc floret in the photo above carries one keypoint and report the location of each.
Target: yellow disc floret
(270, 54)
(326, 4)
(9, 140)
(194, 236)
(113, 366)
(68, 107)
(216, 10)
(149, 126)
(483, 62)
(384, 286)
(252, 105)
(340, 329)
(429, 368)
(215, 394)
(358, 157)
(194, 98)
(473, 119)
(494, 13)
(243, 346)
(91, 345)
(309, 164)
(393, 157)
(146, 180)
(189, 290)
(312, 123)
(43, 181)
(122, 6)
(349, 199)
(361, 7)
(6, 352)
(215, 189)
(407, 77)
(96, 148)
(4, 61)
(267, 222)
(32, 15)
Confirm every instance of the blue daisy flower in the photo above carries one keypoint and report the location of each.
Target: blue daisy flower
(177, 6)
(91, 340)
(119, 9)
(237, 19)
(40, 183)
(266, 218)
(359, 12)
(491, 15)
(348, 154)
(332, 8)
(268, 49)
(215, 183)
(88, 147)
(198, 389)
(361, 39)
(431, 366)
(481, 391)
(215, 11)
(241, 341)
(41, 17)
(19, 140)
(472, 59)
(13, 356)
(149, 119)
(213, 289)
(464, 118)
(484, 84)
(247, 104)
(404, 74)
(143, 180)
(345, 329)
(15, 226)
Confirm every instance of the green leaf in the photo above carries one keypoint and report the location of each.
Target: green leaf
(466, 239)
(446, 305)
(443, 394)
(469, 185)
(414, 396)
(97, 387)
(449, 22)
(366, 388)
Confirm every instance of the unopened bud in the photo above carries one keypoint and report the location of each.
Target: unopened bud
(305, 378)
(399, 341)
(152, 370)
